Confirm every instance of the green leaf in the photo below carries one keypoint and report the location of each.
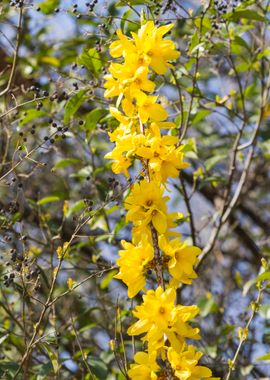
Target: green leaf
(98, 367)
(240, 41)
(242, 67)
(80, 205)
(126, 25)
(246, 370)
(134, 2)
(73, 105)
(200, 115)
(83, 173)
(126, 15)
(107, 279)
(211, 162)
(3, 338)
(227, 329)
(88, 327)
(264, 53)
(265, 146)
(262, 277)
(53, 357)
(206, 23)
(247, 14)
(94, 117)
(43, 370)
(207, 305)
(51, 198)
(264, 311)
(65, 162)
(91, 60)
(264, 357)
(48, 6)
(212, 351)
(10, 367)
(31, 114)
(248, 285)
(119, 225)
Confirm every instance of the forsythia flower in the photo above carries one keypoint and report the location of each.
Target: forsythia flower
(146, 108)
(127, 125)
(122, 46)
(185, 364)
(121, 162)
(149, 42)
(132, 262)
(160, 319)
(164, 159)
(128, 80)
(141, 228)
(146, 204)
(125, 148)
(145, 367)
(182, 260)
(149, 46)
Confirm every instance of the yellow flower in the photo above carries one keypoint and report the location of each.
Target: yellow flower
(146, 108)
(124, 152)
(146, 204)
(127, 125)
(132, 262)
(150, 43)
(185, 364)
(149, 109)
(145, 367)
(164, 159)
(122, 46)
(147, 47)
(113, 87)
(121, 162)
(141, 228)
(183, 259)
(160, 319)
(127, 79)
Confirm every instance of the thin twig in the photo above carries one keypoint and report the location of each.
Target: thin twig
(243, 336)
(15, 58)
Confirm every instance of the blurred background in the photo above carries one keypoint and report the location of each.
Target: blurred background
(56, 186)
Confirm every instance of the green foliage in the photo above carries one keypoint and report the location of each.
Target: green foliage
(48, 6)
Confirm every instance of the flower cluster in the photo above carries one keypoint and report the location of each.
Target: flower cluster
(143, 134)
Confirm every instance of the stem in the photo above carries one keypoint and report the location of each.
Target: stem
(244, 335)
(157, 254)
(15, 58)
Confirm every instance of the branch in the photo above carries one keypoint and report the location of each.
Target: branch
(15, 58)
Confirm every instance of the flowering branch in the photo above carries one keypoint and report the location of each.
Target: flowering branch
(141, 135)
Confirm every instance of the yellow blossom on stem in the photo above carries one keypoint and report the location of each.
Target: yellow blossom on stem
(185, 364)
(150, 43)
(164, 326)
(182, 260)
(127, 125)
(129, 80)
(145, 367)
(121, 162)
(140, 228)
(146, 108)
(132, 263)
(124, 151)
(122, 46)
(146, 204)
(163, 158)
(160, 319)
